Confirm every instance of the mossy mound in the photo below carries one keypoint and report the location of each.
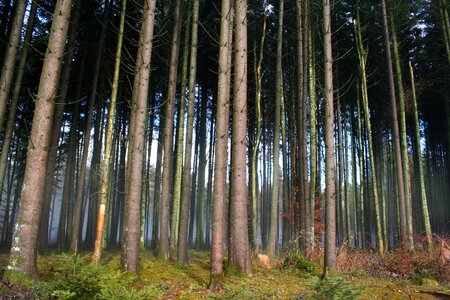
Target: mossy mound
(299, 262)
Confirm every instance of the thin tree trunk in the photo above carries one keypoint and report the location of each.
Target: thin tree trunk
(74, 242)
(186, 180)
(239, 250)
(108, 144)
(330, 192)
(423, 194)
(221, 144)
(396, 132)
(312, 133)
(276, 140)
(23, 252)
(131, 226)
(7, 75)
(16, 93)
(168, 135)
(180, 145)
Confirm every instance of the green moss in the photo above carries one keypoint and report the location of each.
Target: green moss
(301, 263)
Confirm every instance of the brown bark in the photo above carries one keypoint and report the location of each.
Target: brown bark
(130, 245)
(221, 146)
(24, 249)
(168, 135)
(9, 61)
(239, 250)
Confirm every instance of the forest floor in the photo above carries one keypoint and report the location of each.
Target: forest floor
(64, 276)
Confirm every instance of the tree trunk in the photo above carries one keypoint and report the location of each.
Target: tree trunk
(186, 180)
(396, 132)
(168, 136)
(330, 192)
(6, 77)
(24, 249)
(423, 194)
(221, 145)
(276, 139)
(239, 252)
(108, 143)
(131, 226)
(15, 96)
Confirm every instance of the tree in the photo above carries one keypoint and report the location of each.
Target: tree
(186, 180)
(130, 244)
(98, 245)
(221, 144)
(330, 183)
(24, 248)
(6, 77)
(168, 134)
(239, 250)
(276, 137)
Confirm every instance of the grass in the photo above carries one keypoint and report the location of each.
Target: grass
(64, 276)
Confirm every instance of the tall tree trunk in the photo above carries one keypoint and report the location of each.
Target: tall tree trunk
(312, 132)
(396, 132)
(403, 141)
(186, 180)
(56, 129)
(23, 252)
(6, 77)
(330, 192)
(168, 135)
(423, 194)
(271, 247)
(175, 221)
(80, 187)
(362, 55)
(131, 226)
(98, 245)
(255, 156)
(16, 93)
(239, 251)
(221, 144)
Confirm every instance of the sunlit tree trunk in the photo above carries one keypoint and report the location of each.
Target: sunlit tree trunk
(98, 245)
(7, 75)
(24, 248)
(221, 145)
(330, 191)
(239, 250)
(186, 180)
(273, 229)
(423, 194)
(168, 135)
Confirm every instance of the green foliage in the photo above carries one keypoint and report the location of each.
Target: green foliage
(78, 279)
(336, 288)
(301, 263)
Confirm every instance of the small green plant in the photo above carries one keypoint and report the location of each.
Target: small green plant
(335, 288)
(301, 263)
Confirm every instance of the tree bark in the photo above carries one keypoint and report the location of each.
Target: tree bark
(131, 226)
(98, 244)
(330, 192)
(239, 251)
(221, 145)
(168, 135)
(24, 248)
